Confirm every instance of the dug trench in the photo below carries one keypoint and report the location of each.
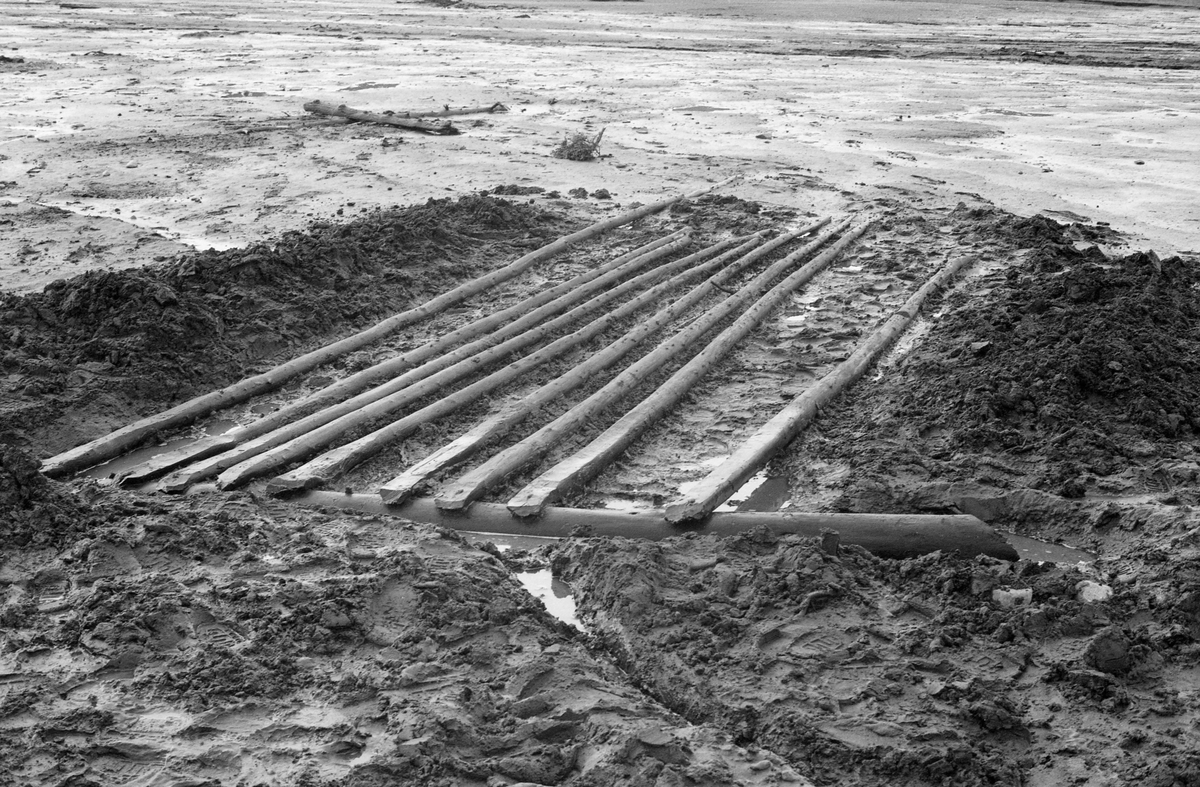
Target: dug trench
(236, 638)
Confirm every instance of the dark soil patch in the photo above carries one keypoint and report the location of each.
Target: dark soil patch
(1070, 373)
(135, 341)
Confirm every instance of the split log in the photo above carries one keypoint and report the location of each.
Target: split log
(424, 379)
(589, 461)
(468, 487)
(342, 459)
(402, 485)
(443, 127)
(892, 536)
(117, 442)
(496, 327)
(729, 476)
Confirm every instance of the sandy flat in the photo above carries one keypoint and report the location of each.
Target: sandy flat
(184, 125)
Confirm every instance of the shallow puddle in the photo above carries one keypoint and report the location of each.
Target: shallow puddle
(554, 593)
(1045, 551)
(114, 468)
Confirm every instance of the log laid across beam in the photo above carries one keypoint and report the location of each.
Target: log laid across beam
(301, 438)
(500, 424)
(728, 477)
(116, 443)
(343, 458)
(438, 353)
(468, 487)
(586, 463)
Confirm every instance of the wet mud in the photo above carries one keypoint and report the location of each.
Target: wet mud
(232, 638)
(935, 670)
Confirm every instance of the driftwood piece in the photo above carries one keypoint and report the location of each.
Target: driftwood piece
(115, 443)
(586, 463)
(443, 127)
(780, 430)
(448, 111)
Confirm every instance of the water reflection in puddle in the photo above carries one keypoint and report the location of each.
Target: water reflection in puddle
(113, 468)
(1045, 551)
(553, 592)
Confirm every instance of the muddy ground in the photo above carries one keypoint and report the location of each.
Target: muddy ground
(234, 638)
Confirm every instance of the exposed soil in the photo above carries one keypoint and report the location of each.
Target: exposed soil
(91, 352)
(235, 639)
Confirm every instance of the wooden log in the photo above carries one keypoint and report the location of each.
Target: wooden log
(117, 442)
(320, 429)
(464, 446)
(426, 378)
(780, 430)
(448, 111)
(586, 463)
(343, 458)
(465, 489)
(893, 536)
(443, 127)
(496, 327)
(401, 486)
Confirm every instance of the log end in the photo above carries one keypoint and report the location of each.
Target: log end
(394, 496)
(287, 483)
(174, 484)
(684, 512)
(455, 503)
(525, 510)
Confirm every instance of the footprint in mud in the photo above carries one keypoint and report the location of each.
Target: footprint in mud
(52, 595)
(803, 642)
(12, 683)
(110, 560)
(156, 726)
(390, 612)
(153, 562)
(119, 769)
(216, 634)
(365, 542)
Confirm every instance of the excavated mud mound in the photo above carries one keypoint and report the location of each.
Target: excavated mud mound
(930, 671)
(1082, 356)
(146, 337)
(1064, 374)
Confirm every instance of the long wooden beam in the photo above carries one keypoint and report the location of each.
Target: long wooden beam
(422, 380)
(401, 486)
(117, 442)
(780, 430)
(894, 536)
(465, 489)
(343, 458)
(586, 463)
(496, 327)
